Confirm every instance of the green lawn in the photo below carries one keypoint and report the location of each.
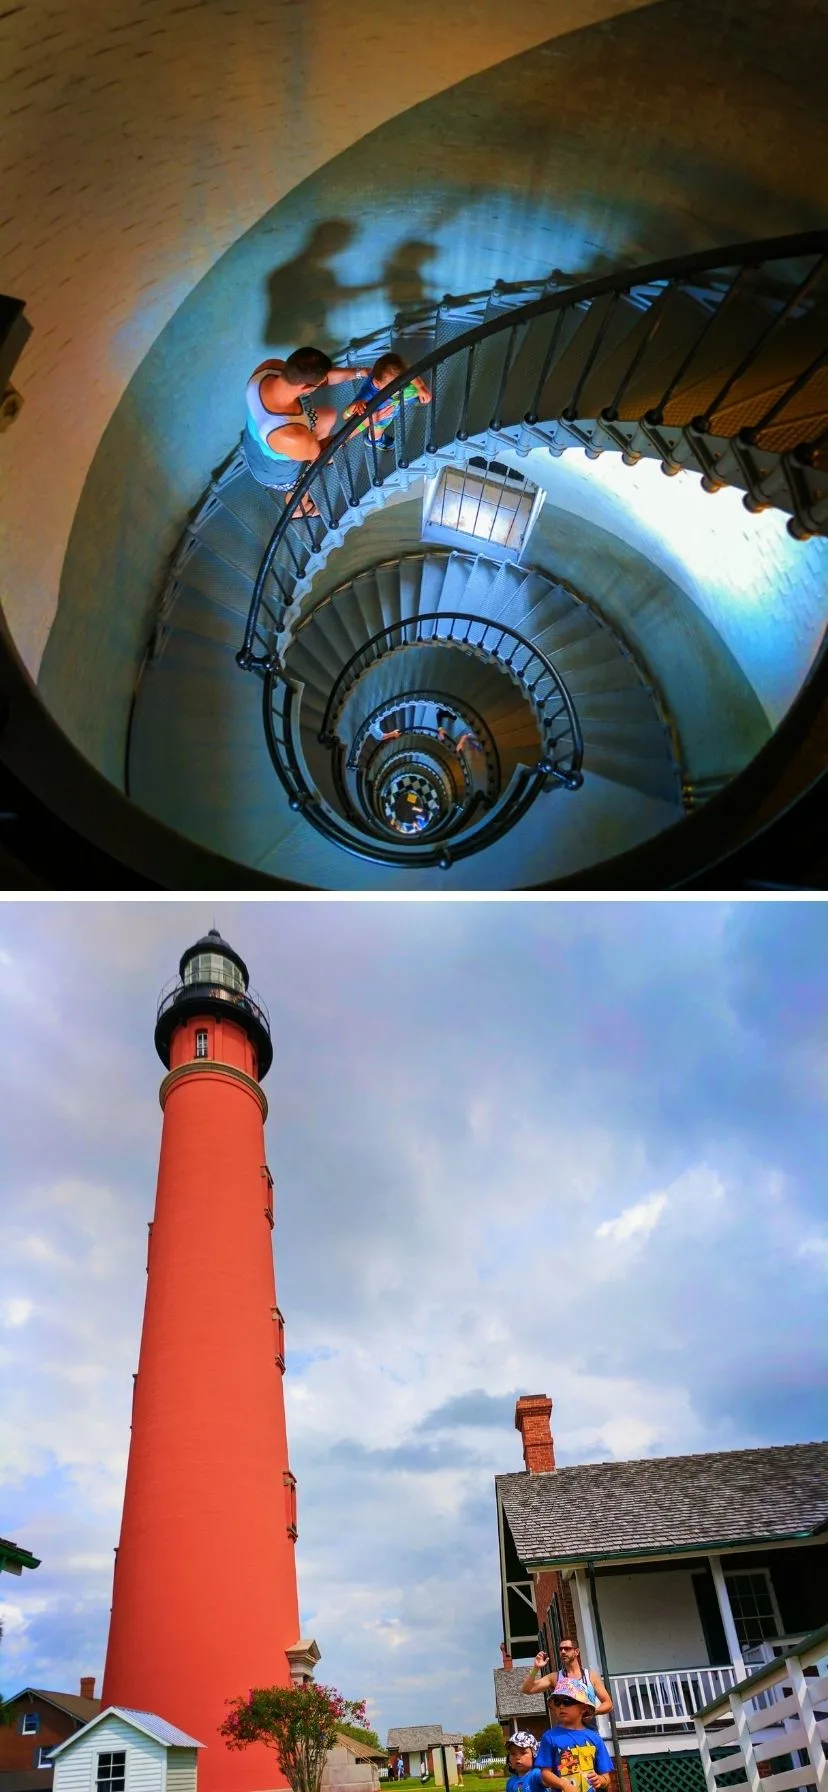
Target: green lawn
(474, 1781)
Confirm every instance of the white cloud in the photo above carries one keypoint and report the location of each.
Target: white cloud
(17, 1311)
(637, 1221)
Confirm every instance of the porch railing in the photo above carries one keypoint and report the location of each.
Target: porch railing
(775, 1732)
(667, 1698)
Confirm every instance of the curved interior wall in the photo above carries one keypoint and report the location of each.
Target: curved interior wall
(141, 140)
(615, 144)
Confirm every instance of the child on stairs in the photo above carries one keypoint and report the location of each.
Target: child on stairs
(387, 368)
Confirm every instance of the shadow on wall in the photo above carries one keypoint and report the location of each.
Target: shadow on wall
(304, 294)
(403, 278)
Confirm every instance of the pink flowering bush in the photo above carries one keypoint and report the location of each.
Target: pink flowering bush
(299, 1722)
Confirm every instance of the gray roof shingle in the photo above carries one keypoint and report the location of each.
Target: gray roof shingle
(668, 1502)
(417, 1736)
(510, 1701)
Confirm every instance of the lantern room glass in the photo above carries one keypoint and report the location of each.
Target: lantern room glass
(213, 968)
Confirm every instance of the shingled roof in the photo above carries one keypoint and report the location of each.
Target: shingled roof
(600, 1509)
(510, 1701)
(70, 1702)
(420, 1736)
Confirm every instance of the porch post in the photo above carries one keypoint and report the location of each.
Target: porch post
(599, 1633)
(589, 1645)
(731, 1638)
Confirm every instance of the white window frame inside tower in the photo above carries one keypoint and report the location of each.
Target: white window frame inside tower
(484, 502)
(202, 1043)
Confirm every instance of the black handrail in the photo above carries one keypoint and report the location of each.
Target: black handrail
(522, 790)
(219, 989)
(741, 255)
(440, 699)
(383, 642)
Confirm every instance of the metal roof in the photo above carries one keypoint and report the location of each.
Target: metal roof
(148, 1721)
(14, 1558)
(662, 1504)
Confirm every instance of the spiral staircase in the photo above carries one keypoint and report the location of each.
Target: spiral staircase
(442, 719)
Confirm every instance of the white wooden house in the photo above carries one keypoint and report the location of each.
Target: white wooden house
(127, 1751)
(677, 1577)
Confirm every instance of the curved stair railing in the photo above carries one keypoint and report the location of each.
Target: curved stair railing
(492, 642)
(563, 747)
(281, 698)
(741, 398)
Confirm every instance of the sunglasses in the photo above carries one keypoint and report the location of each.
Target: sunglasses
(565, 1701)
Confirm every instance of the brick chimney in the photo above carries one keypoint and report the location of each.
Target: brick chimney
(505, 1656)
(87, 1686)
(532, 1415)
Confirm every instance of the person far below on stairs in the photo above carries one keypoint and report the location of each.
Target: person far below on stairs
(387, 368)
(596, 1698)
(284, 430)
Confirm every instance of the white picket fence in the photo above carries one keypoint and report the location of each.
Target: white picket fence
(778, 1717)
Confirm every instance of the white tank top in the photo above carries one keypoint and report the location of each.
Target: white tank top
(263, 421)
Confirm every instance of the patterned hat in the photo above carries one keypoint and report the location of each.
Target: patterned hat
(524, 1739)
(567, 1688)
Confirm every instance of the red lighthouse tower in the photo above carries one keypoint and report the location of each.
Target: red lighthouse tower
(204, 1598)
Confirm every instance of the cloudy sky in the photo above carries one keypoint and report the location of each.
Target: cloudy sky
(572, 1148)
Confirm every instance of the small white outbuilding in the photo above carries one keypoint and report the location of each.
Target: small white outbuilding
(126, 1751)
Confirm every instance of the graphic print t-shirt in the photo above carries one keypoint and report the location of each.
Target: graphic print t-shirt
(574, 1754)
(530, 1781)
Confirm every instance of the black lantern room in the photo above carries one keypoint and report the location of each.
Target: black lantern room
(211, 978)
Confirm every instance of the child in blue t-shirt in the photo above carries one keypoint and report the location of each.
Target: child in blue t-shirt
(521, 1750)
(387, 368)
(570, 1758)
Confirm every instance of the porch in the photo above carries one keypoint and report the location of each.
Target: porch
(673, 1638)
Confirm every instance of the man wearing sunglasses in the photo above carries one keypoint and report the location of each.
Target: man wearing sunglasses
(571, 1758)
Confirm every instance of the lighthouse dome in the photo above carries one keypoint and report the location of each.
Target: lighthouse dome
(211, 960)
(213, 979)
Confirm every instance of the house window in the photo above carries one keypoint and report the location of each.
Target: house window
(753, 1607)
(485, 500)
(30, 1724)
(44, 1756)
(111, 1772)
(201, 1043)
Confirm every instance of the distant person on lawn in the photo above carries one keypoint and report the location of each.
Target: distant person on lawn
(459, 1758)
(424, 1770)
(572, 1758)
(284, 430)
(521, 1750)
